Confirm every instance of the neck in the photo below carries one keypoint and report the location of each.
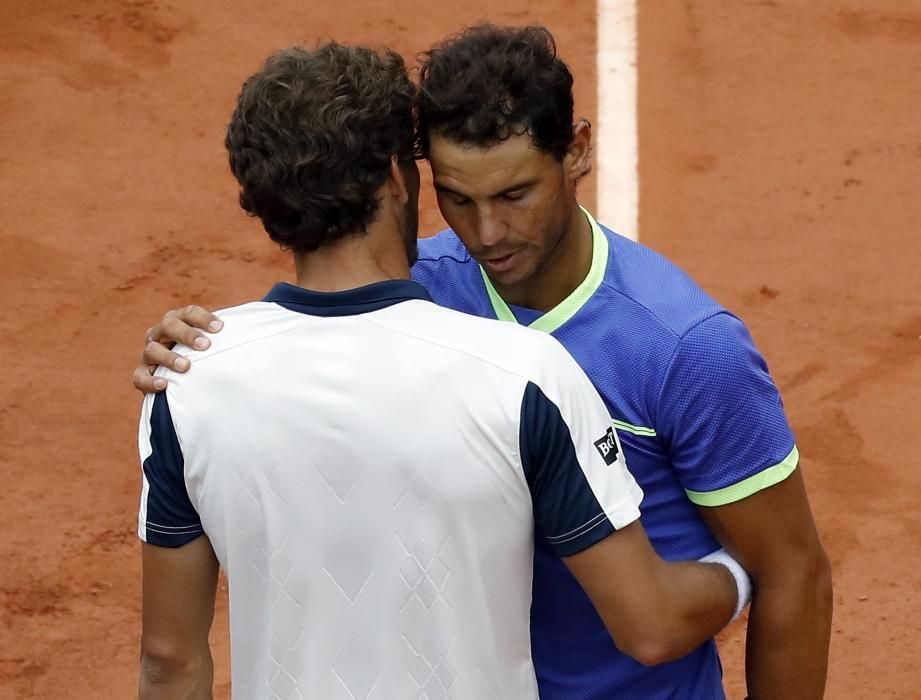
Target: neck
(566, 267)
(354, 261)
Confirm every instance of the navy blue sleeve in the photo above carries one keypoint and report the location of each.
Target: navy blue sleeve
(168, 518)
(566, 509)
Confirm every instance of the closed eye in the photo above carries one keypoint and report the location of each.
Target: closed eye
(454, 198)
(516, 192)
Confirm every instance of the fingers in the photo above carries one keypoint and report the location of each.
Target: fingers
(144, 380)
(181, 326)
(176, 326)
(155, 355)
(199, 318)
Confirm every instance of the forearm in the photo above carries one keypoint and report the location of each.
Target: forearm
(789, 627)
(700, 600)
(655, 611)
(677, 609)
(161, 679)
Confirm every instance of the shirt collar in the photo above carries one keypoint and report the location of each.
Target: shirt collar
(570, 306)
(359, 300)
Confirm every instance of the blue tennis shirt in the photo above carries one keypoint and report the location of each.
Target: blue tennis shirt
(700, 420)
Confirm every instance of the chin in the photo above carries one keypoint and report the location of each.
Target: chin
(520, 274)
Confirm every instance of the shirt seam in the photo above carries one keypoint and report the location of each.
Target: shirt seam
(755, 472)
(204, 355)
(576, 532)
(428, 341)
(174, 527)
(173, 533)
(675, 351)
(445, 256)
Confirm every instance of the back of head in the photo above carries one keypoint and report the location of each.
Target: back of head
(489, 83)
(311, 140)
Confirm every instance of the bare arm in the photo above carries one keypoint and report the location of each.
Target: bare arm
(655, 611)
(178, 608)
(773, 535)
(184, 325)
(586, 505)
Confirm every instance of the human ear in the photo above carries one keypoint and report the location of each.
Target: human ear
(577, 162)
(396, 183)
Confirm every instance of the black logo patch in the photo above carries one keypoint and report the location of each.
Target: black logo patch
(607, 447)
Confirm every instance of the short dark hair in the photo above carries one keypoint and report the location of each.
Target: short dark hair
(312, 136)
(489, 83)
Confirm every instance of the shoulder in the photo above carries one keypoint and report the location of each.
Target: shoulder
(721, 352)
(661, 294)
(506, 346)
(450, 274)
(444, 246)
(243, 324)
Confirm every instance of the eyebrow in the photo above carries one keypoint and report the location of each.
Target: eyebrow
(513, 188)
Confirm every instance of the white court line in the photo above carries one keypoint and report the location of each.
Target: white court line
(616, 149)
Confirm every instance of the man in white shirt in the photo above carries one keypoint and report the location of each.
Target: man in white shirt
(369, 468)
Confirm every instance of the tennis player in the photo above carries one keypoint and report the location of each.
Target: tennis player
(369, 468)
(699, 416)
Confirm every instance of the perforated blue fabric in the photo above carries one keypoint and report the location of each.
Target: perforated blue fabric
(671, 362)
(719, 410)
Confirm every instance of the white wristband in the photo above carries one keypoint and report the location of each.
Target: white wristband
(743, 582)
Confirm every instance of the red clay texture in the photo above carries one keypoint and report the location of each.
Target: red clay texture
(779, 158)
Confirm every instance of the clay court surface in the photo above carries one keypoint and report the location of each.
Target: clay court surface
(780, 164)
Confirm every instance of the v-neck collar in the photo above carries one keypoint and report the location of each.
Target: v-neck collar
(566, 309)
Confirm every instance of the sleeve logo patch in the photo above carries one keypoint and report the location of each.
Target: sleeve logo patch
(607, 447)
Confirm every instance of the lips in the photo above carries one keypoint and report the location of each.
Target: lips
(502, 263)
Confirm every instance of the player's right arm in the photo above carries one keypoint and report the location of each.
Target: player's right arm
(179, 587)
(586, 505)
(180, 569)
(655, 611)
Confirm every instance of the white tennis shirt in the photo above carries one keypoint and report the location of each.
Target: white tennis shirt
(370, 469)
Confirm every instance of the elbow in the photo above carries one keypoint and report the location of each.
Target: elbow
(651, 652)
(165, 665)
(813, 568)
(809, 575)
(159, 669)
(650, 645)
(161, 659)
(821, 575)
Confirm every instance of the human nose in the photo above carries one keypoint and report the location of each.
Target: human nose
(492, 229)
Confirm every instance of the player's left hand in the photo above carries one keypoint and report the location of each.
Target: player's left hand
(177, 326)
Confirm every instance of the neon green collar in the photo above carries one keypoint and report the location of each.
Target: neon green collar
(567, 308)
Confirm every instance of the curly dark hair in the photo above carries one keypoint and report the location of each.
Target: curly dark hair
(311, 139)
(489, 83)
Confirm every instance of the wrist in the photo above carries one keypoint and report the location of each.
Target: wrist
(742, 580)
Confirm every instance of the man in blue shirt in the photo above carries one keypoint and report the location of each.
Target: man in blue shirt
(699, 417)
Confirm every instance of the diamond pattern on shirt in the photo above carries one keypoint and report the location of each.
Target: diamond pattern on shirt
(357, 668)
(349, 566)
(430, 670)
(339, 476)
(419, 486)
(425, 573)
